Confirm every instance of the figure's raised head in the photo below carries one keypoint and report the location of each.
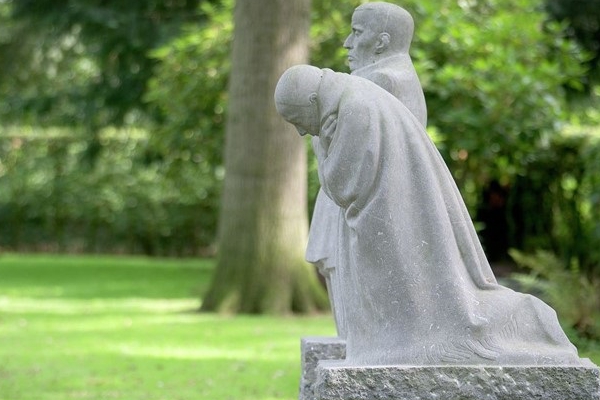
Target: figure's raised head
(296, 98)
(379, 30)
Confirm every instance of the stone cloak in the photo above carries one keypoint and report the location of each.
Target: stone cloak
(416, 286)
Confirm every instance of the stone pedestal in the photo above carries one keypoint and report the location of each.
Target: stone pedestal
(313, 350)
(335, 381)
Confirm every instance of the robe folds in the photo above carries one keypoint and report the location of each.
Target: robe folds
(396, 74)
(415, 285)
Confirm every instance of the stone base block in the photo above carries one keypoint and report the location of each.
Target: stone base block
(335, 381)
(313, 350)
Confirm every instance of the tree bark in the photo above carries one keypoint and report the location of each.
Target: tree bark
(263, 218)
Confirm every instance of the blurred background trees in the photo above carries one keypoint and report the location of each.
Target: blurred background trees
(580, 17)
(113, 115)
(263, 223)
(74, 76)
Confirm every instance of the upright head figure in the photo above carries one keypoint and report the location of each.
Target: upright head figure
(379, 30)
(296, 98)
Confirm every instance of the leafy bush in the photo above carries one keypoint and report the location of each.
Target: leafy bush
(555, 203)
(493, 73)
(557, 214)
(50, 202)
(574, 295)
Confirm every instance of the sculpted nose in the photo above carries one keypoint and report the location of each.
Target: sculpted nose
(348, 42)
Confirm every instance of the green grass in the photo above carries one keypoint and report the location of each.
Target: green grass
(127, 328)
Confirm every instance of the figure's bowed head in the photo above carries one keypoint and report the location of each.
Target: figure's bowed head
(296, 98)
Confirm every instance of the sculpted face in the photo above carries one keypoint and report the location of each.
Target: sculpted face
(379, 30)
(362, 43)
(296, 98)
(304, 117)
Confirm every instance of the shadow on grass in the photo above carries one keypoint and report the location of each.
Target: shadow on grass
(114, 327)
(88, 277)
(97, 354)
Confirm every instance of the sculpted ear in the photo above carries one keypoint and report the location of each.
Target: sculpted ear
(313, 98)
(383, 41)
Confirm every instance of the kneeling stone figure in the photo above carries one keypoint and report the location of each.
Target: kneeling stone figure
(416, 288)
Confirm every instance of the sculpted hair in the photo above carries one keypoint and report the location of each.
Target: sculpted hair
(297, 84)
(393, 20)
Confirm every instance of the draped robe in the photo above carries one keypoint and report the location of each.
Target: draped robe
(416, 287)
(396, 74)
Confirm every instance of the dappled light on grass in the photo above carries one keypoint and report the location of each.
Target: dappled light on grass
(108, 277)
(76, 306)
(65, 343)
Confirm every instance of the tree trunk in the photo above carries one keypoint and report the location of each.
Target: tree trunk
(263, 221)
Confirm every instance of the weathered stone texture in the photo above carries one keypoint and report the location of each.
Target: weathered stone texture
(457, 382)
(313, 350)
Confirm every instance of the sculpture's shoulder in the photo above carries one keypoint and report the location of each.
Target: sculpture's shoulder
(355, 96)
(395, 76)
(387, 79)
(391, 67)
(363, 94)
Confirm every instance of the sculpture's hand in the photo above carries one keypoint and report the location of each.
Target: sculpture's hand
(329, 125)
(327, 131)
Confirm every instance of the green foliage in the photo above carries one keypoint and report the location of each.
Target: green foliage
(574, 296)
(583, 18)
(123, 327)
(124, 204)
(556, 202)
(189, 90)
(493, 73)
(87, 56)
(88, 62)
(329, 29)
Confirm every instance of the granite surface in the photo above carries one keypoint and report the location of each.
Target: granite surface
(313, 350)
(457, 382)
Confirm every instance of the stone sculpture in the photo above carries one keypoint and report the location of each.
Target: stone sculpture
(418, 310)
(378, 50)
(416, 288)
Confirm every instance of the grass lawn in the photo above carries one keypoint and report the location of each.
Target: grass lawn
(86, 327)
